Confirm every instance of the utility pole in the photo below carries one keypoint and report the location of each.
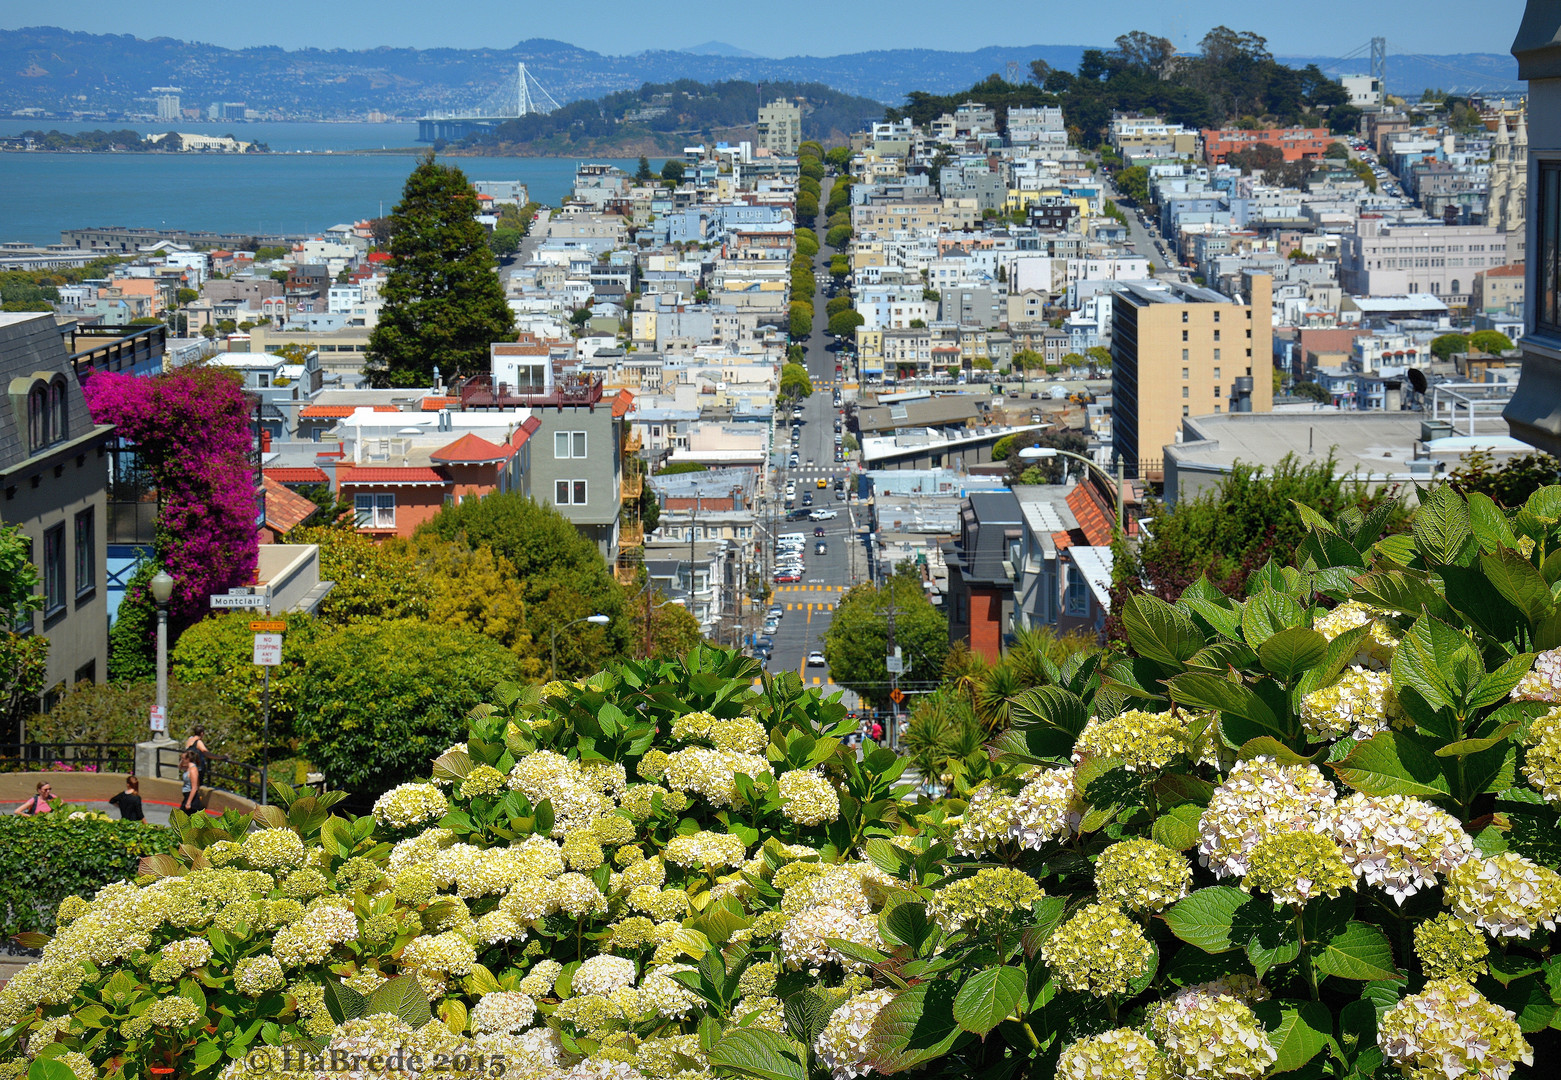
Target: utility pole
(895, 666)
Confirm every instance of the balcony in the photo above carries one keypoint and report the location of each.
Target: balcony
(479, 392)
(632, 443)
(627, 573)
(632, 486)
(631, 535)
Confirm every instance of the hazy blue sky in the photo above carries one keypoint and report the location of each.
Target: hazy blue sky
(1309, 27)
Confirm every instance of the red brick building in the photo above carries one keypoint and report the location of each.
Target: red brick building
(1294, 143)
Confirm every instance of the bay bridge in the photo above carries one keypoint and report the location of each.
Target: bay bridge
(513, 99)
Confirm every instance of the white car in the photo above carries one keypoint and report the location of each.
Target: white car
(816, 659)
(824, 515)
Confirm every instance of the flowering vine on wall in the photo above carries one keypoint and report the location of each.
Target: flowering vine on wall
(191, 428)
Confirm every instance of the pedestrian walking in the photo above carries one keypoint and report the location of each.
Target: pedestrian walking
(192, 800)
(129, 801)
(40, 803)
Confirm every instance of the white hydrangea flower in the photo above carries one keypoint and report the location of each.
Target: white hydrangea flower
(1505, 895)
(1047, 807)
(1399, 843)
(712, 773)
(842, 1045)
(1543, 680)
(1209, 1035)
(987, 821)
(706, 849)
(807, 797)
(1376, 648)
(802, 939)
(603, 974)
(1359, 704)
(1449, 1031)
(505, 1011)
(410, 804)
(662, 994)
(1261, 796)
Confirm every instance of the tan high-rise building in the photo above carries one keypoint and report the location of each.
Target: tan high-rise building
(1178, 350)
(780, 127)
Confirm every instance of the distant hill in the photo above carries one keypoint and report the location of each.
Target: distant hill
(64, 71)
(721, 48)
(659, 119)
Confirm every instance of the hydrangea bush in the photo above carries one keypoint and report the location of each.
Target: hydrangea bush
(1310, 831)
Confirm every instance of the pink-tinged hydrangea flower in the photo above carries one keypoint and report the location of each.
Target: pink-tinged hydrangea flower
(1261, 796)
(1543, 681)
(1449, 1031)
(1399, 843)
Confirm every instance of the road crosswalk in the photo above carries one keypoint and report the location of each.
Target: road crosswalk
(811, 588)
(820, 606)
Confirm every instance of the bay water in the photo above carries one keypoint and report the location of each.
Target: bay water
(316, 176)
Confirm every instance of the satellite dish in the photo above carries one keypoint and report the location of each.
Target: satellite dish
(1417, 380)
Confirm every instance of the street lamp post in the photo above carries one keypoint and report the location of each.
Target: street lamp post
(162, 592)
(596, 620)
(1038, 453)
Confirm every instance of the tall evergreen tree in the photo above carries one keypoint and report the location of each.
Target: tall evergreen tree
(444, 304)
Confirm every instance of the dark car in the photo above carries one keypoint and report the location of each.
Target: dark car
(819, 531)
(807, 500)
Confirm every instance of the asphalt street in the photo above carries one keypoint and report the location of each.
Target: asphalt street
(808, 605)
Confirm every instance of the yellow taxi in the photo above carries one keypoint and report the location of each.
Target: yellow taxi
(822, 483)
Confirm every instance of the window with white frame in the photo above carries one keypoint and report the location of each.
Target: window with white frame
(569, 493)
(569, 444)
(374, 511)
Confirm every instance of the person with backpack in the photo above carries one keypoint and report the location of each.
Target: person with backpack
(40, 803)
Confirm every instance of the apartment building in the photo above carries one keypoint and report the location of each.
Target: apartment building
(1179, 351)
(54, 470)
(1386, 259)
(780, 127)
(1294, 143)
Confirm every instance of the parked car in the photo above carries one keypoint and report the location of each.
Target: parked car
(786, 578)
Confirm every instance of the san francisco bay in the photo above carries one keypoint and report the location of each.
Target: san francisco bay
(316, 176)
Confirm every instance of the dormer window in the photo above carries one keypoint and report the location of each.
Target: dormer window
(46, 414)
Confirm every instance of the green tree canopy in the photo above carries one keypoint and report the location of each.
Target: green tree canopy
(1444, 346)
(564, 575)
(844, 323)
(1134, 184)
(1491, 341)
(807, 247)
(837, 304)
(807, 206)
(856, 643)
(373, 581)
(381, 700)
(443, 303)
(838, 236)
(839, 156)
(643, 174)
(795, 383)
(801, 319)
(218, 652)
(672, 171)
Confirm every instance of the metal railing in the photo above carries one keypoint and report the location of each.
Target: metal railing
(67, 757)
(220, 774)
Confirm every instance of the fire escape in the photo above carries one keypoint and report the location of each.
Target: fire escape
(631, 533)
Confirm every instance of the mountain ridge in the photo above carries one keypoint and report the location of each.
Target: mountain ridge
(64, 72)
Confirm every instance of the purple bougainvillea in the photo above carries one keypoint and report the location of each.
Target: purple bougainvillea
(191, 428)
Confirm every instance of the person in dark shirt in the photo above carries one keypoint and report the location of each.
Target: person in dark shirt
(129, 801)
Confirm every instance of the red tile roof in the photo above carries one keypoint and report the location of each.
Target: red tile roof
(379, 256)
(434, 404)
(305, 475)
(1510, 270)
(1095, 522)
(1062, 540)
(472, 449)
(336, 412)
(622, 404)
(390, 475)
(285, 508)
(527, 429)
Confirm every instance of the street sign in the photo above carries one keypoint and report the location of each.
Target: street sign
(896, 695)
(268, 626)
(225, 601)
(268, 650)
(159, 720)
(895, 665)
